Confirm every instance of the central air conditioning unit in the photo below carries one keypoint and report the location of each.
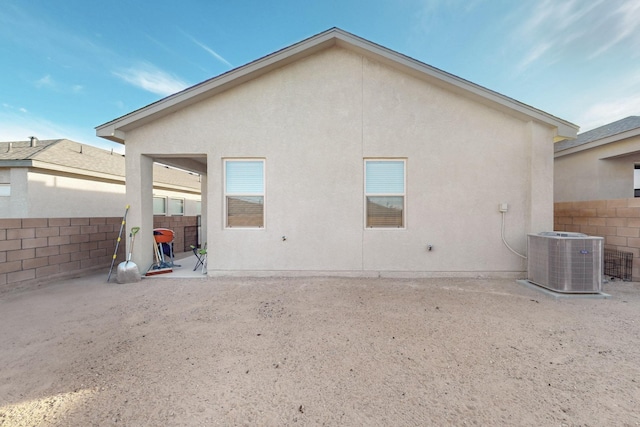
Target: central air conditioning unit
(566, 262)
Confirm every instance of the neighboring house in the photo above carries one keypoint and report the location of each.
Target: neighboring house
(65, 179)
(338, 156)
(600, 164)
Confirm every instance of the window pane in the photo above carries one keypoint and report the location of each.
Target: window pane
(385, 211)
(384, 177)
(245, 177)
(176, 207)
(245, 211)
(159, 206)
(5, 190)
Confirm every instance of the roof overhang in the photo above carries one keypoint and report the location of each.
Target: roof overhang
(115, 130)
(16, 163)
(616, 150)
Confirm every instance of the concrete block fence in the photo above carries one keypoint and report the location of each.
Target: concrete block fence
(38, 250)
(617, 220)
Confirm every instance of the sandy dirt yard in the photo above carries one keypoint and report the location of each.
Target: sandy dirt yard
(317, 351)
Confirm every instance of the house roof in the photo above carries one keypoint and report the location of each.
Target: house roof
(63, 155)
(116, 129)
(621, 129)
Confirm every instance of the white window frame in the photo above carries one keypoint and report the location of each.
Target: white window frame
(262, 194)
(166, 206)
(402, 194)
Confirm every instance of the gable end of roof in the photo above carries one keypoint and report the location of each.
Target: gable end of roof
(115, 130)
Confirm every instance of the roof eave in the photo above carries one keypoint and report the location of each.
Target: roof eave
(565, 129)
(115, 130)
(108, 131)
(16, 163)
(599, 142)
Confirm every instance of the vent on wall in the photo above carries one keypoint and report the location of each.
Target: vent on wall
(566, 262)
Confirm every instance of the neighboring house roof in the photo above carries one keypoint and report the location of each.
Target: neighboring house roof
(115, 130)
(615, 131)
(68, 156)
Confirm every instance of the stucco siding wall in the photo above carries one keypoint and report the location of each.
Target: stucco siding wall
(35, 194)
(57, 196)
(455, 175)
(594, 175)
(315, 121)
(17, 204)
(541, 178)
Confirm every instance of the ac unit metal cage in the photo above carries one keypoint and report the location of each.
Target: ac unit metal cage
(566, 262)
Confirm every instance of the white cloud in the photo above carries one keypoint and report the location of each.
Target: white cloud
(17, 124)
(606, 102)
(610, 110)
(45, 81)
(575, 29)
(534, 54)
(209, 50)
(627, 18)
(150, 78)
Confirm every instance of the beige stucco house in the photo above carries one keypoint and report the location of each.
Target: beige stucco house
(600, 164)
(338, 156)
(60, 178)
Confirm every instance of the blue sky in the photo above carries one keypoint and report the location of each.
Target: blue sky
(68, 66)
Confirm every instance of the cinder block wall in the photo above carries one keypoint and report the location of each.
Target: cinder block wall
(617, 220)
(38, 250)
(43, 249)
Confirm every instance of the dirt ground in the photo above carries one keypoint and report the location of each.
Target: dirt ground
(317, 351)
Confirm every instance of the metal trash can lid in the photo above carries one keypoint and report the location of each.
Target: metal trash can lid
(561, 234)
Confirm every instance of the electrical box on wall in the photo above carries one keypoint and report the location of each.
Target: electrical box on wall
(503, 207)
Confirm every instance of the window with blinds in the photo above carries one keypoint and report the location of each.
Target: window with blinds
(385, 193)
(244, 193)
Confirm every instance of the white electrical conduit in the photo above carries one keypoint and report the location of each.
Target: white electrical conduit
(505, 241)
